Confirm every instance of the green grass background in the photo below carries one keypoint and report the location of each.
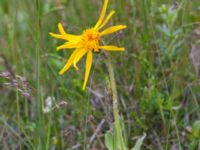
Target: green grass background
(158, 88)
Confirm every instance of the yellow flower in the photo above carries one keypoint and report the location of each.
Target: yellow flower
(87, 42)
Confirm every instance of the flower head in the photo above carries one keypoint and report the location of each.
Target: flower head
(86, 43)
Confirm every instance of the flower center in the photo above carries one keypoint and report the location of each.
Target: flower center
(90, 39)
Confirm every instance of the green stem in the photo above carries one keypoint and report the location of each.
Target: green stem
(38, 95)
(115, 103)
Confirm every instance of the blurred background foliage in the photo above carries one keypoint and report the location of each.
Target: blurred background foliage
(158, 76)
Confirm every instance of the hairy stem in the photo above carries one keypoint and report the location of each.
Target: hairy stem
(115, 103)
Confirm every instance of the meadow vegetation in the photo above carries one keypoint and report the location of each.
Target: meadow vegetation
(157, 76)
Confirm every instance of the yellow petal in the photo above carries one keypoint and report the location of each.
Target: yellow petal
(107, 19)
(64, 35)
(69, 62)
(72, 38)
(112, 29)
(102, 15)
(78, 56)
(69, 37)
(111, 48)
(67, 45)
(87, 69)
(58, 36)
(61, 29)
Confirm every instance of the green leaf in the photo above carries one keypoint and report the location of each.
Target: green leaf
(139, 143)
(109, 140)
(196, 129)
